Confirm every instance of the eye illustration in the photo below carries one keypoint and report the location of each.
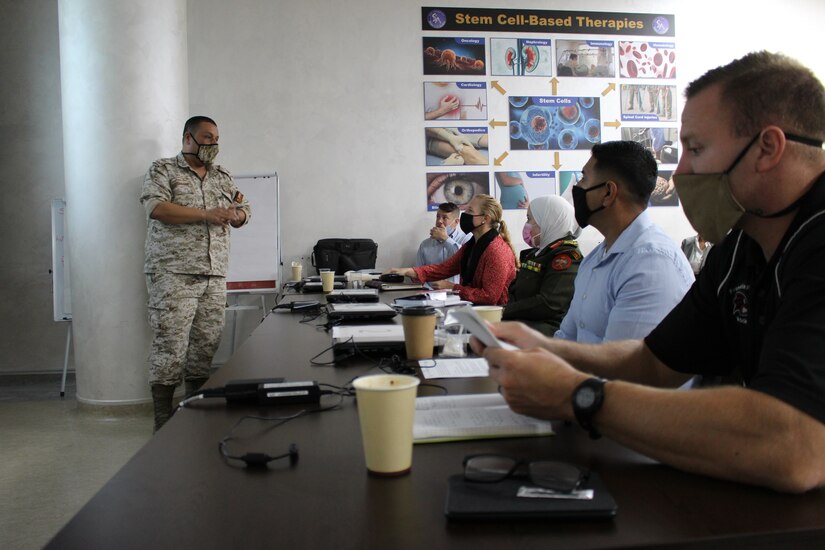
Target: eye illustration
(456, 188)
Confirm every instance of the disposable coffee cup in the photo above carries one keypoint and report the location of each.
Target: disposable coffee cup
(297, 269)
(419, 331)
(489, 313)
(327, 280)
(386, 410)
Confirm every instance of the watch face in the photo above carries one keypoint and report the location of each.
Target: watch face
(585, 397)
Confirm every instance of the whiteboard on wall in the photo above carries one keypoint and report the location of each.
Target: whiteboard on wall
(255, 249)
(61, 289)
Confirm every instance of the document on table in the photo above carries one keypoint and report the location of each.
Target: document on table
(476, 416)
(474, 367)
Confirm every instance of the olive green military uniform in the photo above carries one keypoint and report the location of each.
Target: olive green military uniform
(543, 289)
(186, 266)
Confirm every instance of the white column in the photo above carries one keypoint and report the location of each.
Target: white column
(124, 87)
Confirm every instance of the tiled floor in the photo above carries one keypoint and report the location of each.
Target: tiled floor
(53, 457)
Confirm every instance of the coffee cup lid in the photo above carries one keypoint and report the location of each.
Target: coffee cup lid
(418, 310)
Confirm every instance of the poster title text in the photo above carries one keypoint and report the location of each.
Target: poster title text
(555, 22)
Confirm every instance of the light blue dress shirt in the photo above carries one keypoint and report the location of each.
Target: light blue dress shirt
(433, 251)
(624, 293)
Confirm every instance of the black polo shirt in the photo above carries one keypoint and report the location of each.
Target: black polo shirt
(756, 323)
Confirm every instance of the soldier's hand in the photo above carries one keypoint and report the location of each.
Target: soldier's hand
(220, 216)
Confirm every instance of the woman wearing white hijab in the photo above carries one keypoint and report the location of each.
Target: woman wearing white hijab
(543, 289)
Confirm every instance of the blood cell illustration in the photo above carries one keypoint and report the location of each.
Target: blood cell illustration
(647, 60)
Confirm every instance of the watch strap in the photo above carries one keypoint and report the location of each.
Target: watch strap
(584, 415)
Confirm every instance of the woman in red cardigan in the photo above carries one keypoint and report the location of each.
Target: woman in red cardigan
(486, 263)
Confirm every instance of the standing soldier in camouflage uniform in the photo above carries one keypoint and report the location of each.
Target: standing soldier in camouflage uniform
(189, 203)
(541, 294)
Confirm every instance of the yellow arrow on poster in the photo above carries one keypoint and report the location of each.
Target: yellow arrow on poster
(610, 88)
(498, 87)
(503, 156)
(556, 163)
(613, 124)
(555, 85)
(494, 123)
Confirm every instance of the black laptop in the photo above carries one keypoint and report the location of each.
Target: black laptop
(382, 339)
(360, 312)
(308, 285)
(354, 295)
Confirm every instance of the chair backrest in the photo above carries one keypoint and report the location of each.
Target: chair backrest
(344, 255)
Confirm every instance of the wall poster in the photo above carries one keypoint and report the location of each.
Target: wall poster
(514, 99)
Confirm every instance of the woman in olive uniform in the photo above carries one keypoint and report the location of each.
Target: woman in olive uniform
(541, 293)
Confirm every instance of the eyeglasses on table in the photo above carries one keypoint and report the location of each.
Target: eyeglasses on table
(548, 474)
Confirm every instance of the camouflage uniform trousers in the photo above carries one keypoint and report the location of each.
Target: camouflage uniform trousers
(186, 313)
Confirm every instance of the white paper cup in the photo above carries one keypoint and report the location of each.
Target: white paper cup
(489, 313)
(327, 280)
(297, 271)
(386, 410)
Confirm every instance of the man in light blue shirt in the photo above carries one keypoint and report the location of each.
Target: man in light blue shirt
(631, 280)
(445, 238)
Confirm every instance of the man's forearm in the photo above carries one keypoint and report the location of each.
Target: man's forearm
(728, 432)
(171, 213)
(629, 360)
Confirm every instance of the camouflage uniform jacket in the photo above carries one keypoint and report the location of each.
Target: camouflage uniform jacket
(191, 248)
(541, 294)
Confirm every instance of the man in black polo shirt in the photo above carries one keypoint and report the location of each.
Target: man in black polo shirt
(753, 162)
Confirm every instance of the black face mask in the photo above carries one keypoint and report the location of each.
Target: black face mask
(466, 222)
(582, 211)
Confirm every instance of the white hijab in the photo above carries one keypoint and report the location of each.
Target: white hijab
(555, 218)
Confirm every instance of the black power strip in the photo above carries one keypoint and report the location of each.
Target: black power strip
(271, 391)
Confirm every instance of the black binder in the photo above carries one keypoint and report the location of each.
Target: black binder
(469, 501)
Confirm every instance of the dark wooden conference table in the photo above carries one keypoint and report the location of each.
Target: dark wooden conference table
(178, 492)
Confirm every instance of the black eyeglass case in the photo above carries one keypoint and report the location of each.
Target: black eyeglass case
(469, 501)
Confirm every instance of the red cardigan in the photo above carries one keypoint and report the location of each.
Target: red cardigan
(496, 270)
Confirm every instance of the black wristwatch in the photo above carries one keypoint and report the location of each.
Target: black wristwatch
(587, 400)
